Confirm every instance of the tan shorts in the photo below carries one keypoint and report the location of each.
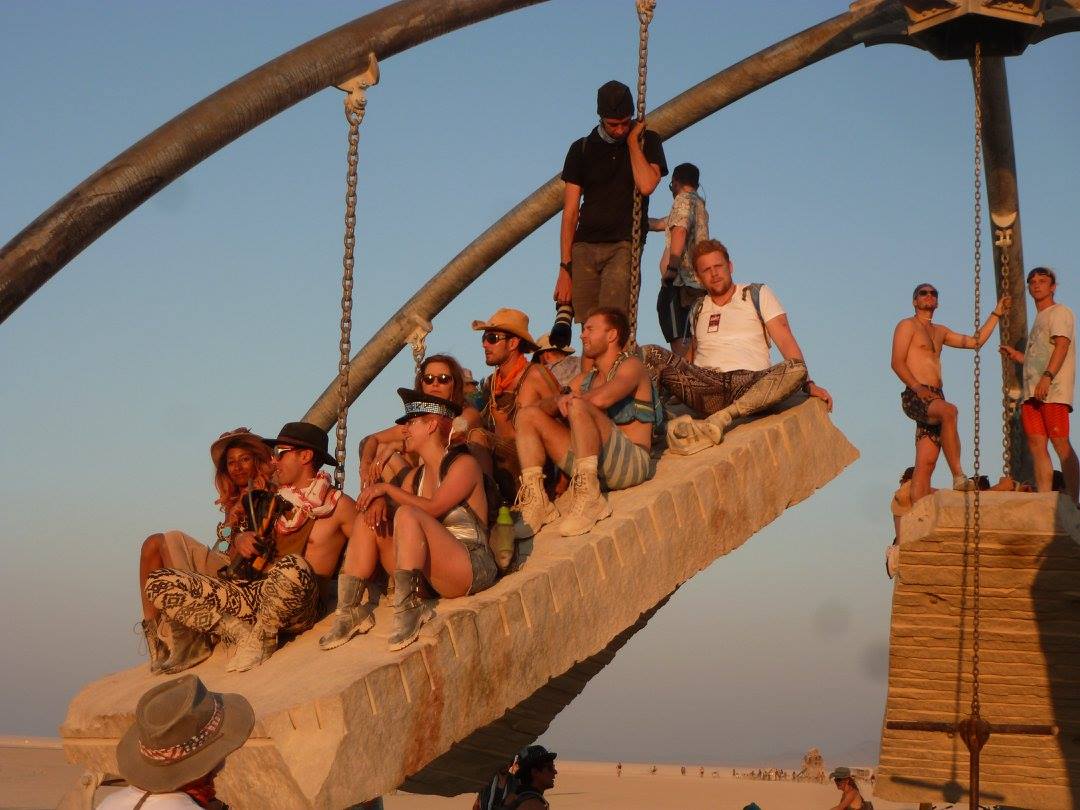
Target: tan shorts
(601, 277)
(184, 553)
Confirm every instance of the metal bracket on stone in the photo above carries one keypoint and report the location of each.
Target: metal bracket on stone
(1003, 232)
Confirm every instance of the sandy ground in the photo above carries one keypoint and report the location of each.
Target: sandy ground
(33, 776)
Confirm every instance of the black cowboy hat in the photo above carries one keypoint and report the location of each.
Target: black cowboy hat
(307, 436)
(417, 404)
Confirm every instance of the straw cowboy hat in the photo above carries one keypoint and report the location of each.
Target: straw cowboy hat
(240, 436)
(544, 345)
(513, 322)
(182, 731)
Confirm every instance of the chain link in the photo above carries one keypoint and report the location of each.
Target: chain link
(1007, 404)
(977, 516)
(645, 9)
(355, 105)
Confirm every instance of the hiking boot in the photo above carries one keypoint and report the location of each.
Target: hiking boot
(532, 506)
(254, 644)
(155, 647)
(189, 648)
(961, 483)
(687, 436)
(350, 618)
(892, 559)
(589, 506)
(411, 609)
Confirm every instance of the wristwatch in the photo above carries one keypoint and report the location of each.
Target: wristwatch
(1050, 374)
(568, 267)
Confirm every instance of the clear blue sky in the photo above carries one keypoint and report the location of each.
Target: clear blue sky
(215, 305)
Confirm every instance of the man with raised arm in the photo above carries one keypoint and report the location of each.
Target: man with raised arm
(601, 172)
(599, 431)
(293, 590)
(1049, 377)
(916, 360)
(727, 372)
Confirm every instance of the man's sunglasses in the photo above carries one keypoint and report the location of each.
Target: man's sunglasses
(493, 338)
(928, 292)
(279, 452)
(429, 379)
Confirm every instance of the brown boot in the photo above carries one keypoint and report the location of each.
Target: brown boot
(189, 648)
(157, 650)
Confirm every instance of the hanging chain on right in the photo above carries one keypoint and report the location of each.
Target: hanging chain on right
(645, 9)
(1003, 242)
(977, 517)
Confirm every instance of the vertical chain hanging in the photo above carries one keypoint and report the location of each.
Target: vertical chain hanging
(977, 517)
(645, 9)
(355, 106)
(1003, 241)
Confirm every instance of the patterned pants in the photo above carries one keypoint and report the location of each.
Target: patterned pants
(287, 598)
(707, 391)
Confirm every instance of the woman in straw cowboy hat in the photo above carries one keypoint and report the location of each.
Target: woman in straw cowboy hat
(178, 743)
(239, 458)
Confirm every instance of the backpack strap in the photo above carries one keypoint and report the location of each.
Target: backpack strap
(755, 299)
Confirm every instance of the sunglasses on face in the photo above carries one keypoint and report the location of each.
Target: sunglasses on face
(930, 293)
(280, 452)
(493, 338)
(429, 379)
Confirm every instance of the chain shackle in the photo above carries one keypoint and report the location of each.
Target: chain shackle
(977, 515)
(645, 10)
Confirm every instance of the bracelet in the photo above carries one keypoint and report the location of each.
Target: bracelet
(1050, 374)
(568, 267)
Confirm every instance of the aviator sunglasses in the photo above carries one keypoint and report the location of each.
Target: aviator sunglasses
(493, 338)
(429, 379)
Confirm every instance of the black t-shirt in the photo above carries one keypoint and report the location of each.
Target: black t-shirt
(603, 171)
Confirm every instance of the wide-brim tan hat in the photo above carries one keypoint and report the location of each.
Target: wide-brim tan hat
(513, 322)
(544, 345)
(182, 731)
(238, 436)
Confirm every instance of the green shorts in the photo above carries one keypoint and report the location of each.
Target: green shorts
(621, 464)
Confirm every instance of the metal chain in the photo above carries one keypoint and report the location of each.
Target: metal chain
(355, 105)
(1007, 404)
(645, 9)
(977, 517)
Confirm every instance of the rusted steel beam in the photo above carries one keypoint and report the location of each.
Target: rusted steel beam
(765, 67)
(1003, 195)
(56, 237)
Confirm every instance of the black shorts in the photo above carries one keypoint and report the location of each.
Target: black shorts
(673, 306)
(916, 410)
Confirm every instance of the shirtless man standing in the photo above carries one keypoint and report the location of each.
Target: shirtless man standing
(916, 360)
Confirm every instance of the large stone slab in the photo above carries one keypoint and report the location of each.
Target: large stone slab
(335, 728)
(1029, 650)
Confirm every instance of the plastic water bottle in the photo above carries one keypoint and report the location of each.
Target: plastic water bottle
(502, 538)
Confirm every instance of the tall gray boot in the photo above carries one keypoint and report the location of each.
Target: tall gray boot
(155, 647)
(411, 609)
(189, 647)
(350, 618)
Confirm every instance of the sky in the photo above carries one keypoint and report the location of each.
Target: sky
(215, 304)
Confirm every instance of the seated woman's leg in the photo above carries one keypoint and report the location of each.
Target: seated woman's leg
(424, 549)
(150, 559)
(352, 617)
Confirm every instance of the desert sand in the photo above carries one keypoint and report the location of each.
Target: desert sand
(33, 775)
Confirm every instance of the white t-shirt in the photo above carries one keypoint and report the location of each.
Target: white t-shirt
(1054, 321)
(127, 798)
(730, 337)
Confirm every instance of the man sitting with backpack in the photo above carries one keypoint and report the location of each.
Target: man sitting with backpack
(727, 372)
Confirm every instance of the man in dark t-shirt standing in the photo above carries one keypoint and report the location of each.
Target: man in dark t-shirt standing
(604, 167)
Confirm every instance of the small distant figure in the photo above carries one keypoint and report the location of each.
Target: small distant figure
(701, 772)
(682, 770)
(618, 769)
(560, 361)
(916, 360)
(471, 388)
(178, 743)
(535, 774)
(1049, 375)
(652, 770)
(850, 798)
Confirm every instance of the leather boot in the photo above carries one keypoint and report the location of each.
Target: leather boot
(687, 436)
(189, 647)
(351, 618)
(589, 505)
(252, 647)
(411, 609)
(532, 507)
(155, 647)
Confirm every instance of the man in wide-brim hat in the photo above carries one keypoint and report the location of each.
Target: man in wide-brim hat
(515, 384)
(560, 361)
(179, 741)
